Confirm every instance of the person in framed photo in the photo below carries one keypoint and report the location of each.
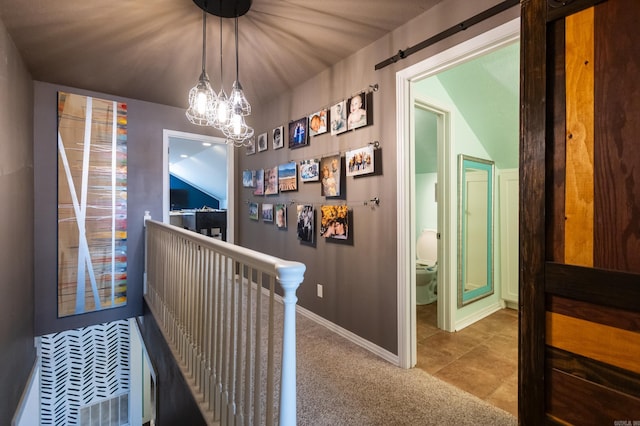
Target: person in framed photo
(281, 216)
(277, 138)
(337, 229)
(357, 114)
(329, 184)
(271, 181)
(338, 118)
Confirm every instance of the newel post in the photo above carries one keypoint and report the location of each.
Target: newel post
(290, 275)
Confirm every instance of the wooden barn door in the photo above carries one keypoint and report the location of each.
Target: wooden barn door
(580, 213)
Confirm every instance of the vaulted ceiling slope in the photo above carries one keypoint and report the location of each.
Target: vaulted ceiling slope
(152, 50)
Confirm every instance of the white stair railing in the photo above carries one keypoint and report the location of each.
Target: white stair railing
(214, 303)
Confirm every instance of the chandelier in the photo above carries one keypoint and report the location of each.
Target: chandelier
(206, 108)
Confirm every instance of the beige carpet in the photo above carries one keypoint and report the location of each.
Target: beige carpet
(340, 383)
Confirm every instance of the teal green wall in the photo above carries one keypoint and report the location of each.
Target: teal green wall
(482, 98)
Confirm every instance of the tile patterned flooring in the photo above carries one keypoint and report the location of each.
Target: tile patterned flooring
(481, 359)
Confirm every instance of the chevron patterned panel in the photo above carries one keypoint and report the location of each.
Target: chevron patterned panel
(82, 367)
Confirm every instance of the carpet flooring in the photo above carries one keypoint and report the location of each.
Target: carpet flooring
(340, 383)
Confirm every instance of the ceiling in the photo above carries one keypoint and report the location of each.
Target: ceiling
(152, 50)
(485, 92)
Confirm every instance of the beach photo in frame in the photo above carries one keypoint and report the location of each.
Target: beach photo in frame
(267, 212)
(277, 136)
(271, 181)
(305, 223)
(298, 133)
(259, 188)
(338, 117)
(253, 211)
(262, 142)
(288, 177)
(249, 178)
(360, 161)
(357, 110)
(310, 170)
(281, 216)
(318, 122)
(330, 174)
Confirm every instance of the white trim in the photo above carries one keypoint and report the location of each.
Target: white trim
(482, 44)
(478, 315)
(352, 337)
(28, 412)
(166, 134)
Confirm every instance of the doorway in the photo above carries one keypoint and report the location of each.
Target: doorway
(211, 167)
(492, 40)
(443, 87)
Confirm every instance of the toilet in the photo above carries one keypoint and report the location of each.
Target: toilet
(427, 267)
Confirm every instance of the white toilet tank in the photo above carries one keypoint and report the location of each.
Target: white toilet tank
(427, 247)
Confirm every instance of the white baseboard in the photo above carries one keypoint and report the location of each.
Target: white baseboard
(352, 337)
(477, 316)
(28, 412)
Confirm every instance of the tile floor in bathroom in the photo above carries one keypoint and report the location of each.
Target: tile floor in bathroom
(481, 359)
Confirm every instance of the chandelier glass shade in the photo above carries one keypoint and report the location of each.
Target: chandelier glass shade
(202, 98)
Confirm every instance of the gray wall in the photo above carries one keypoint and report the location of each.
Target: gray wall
(17, 351)
(146, 122)
(360, 285)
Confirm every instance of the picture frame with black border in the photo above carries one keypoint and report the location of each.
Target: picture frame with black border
(263, 142)
(310, 170)
(277, 137)
(318, 122)
(288, 177)
(299, 133)
(250, 146)
(338, 117)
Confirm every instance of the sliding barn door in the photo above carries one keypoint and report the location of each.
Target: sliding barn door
(580, 213)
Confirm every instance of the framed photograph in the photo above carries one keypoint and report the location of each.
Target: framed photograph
(271, 181)
(360, 161)
(281, 216)
(253, 211)
(249, 178)
(318, 122)
(338, 118)
(330, 173)
(262, 142)
(298, 133)
(334, 222)
(305, 219)
(310, 170)
(357, 111)
(267, 212)
(278, 137)
(251, 146)
(259, 188)
(288, 177)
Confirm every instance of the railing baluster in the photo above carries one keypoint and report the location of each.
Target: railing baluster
(257, 377)
(201, 292)
(270, 357)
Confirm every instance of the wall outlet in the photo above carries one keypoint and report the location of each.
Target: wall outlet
(319, 287)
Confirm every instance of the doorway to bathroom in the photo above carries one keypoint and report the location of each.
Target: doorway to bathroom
(464, 101)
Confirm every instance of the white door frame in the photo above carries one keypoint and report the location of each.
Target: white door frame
(166, 134)
(480, 45)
